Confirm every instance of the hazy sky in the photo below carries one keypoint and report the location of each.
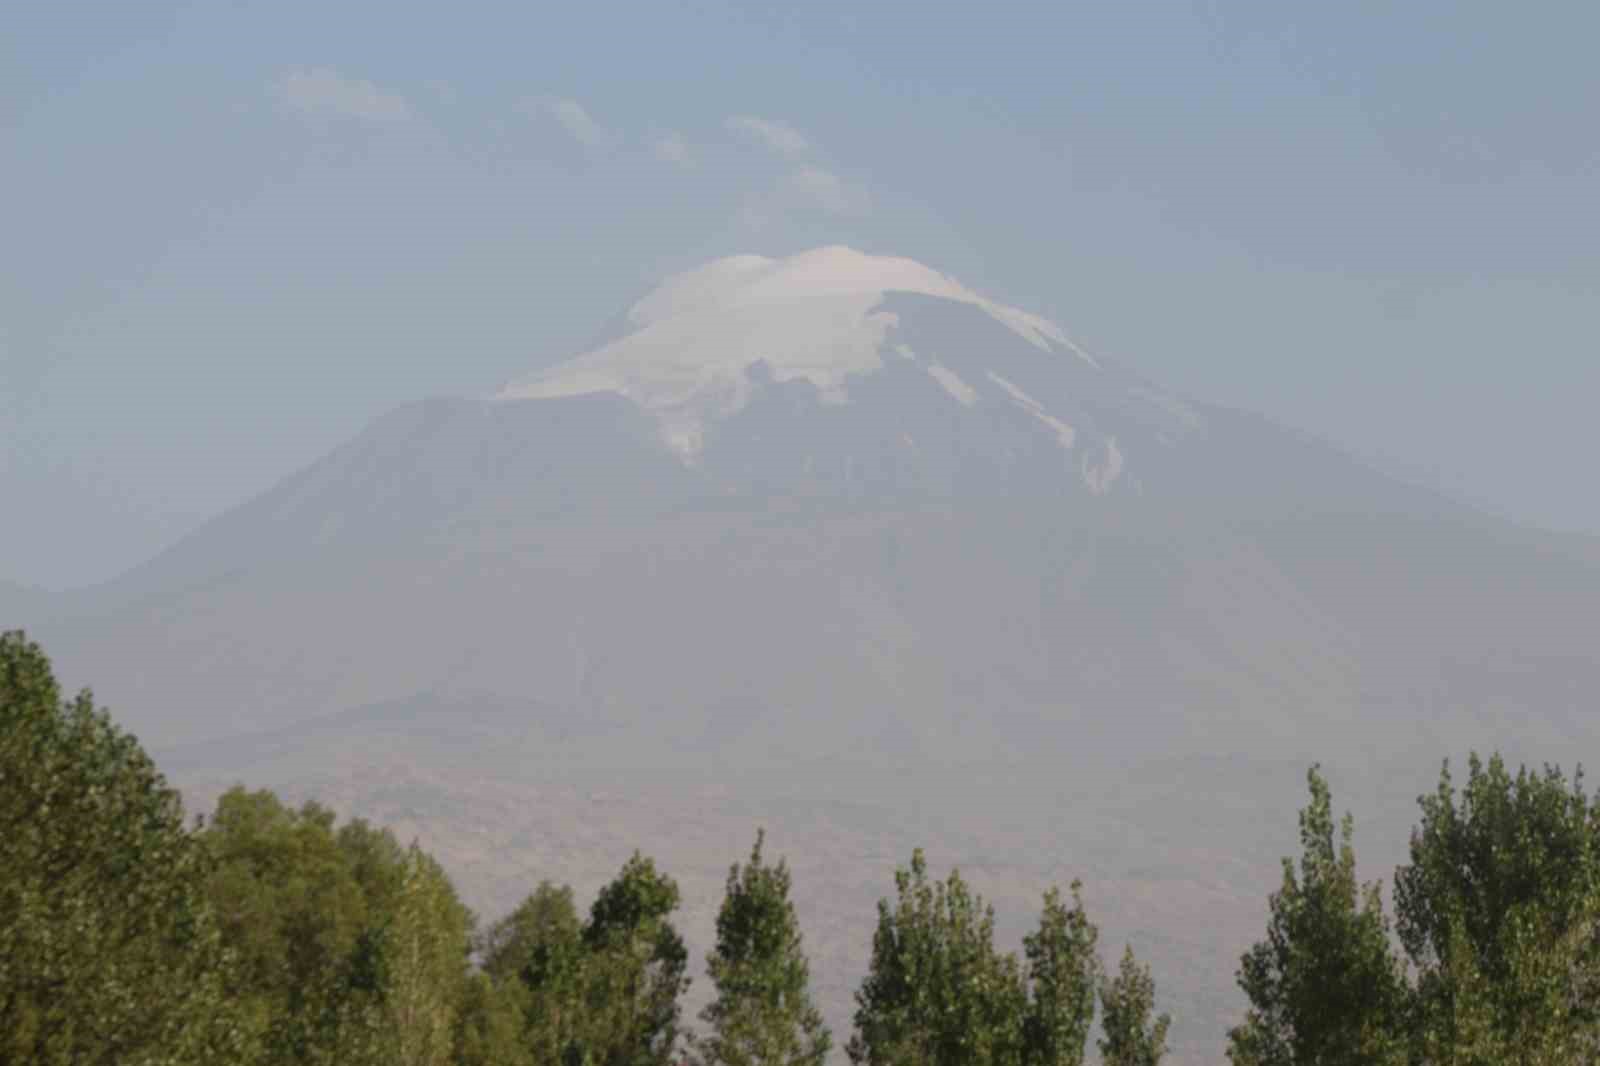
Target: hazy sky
(233, 233)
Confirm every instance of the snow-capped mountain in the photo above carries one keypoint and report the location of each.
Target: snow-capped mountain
(836, 534)
(937, 495)
(829, 326)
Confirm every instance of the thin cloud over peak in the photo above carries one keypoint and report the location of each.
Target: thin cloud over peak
(775, 135)
(573, 117)
(670, 147)
(806, 192)
(826, 191)
(325, 93)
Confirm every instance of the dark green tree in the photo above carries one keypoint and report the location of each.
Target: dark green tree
(1133, 1036)
(541, 938)
(763, 1014)
(1498, 911)
(937, 993)
(1062, 972)
(1324, 986)
(489, 1024)
(633, 971)
(536, 958)
(109, 951)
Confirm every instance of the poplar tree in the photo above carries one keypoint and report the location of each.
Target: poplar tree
(632, 974)
(937, 993)
(763, 1013)
(425, 944)
(489, 1025)
(537, 962)
(1324, 986)
(1499, 911)
(1132, 1036)
(1062, 972)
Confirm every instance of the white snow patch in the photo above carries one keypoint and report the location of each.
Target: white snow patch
(810, 316)
(1064, 433)
(1102, 476)
(698, 287)
(953, 384)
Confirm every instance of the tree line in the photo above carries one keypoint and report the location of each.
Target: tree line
(269, 934)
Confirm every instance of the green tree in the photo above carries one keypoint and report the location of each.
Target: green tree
(291, 911)
(633, 971)
(763, 1014)
(109, 951)
(1062, 972)
(489, 1024)
(536, 959)
(936, 991)
(1498, 912)
(1324, 986)
(425, 941)
(353, 949)
(301, 903)
(1132, 1037)
(541, 938)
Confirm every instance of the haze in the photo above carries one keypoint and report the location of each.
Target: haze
(236, 234)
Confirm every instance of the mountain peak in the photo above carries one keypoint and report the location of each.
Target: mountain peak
(819, 316)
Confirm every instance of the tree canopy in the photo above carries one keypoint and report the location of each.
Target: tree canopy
(1134, 1034)
(1499, 912)
(109, 949)
(763, 1013)
(938, 991)
(1324, 986)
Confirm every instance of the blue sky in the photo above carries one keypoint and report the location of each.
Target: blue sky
(235, 232)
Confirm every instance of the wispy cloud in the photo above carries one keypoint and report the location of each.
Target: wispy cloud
(808, 191)
(324, 93)
(670, 147)
(573, 117)
(776, 136)
(825, 191)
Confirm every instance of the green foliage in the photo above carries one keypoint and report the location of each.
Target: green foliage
(1498, 911)
(937, 992)
(353, 949)
(604, 993)
(1132, 1036)
(1062, 971)
(537, 943)
(763, 1014)
(275, 935)
(489, 1024)
(290, 909)
(293, 910)
(536, 959)
(108, 949)
(1324, 987)
(424, 944)
(634, 969)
